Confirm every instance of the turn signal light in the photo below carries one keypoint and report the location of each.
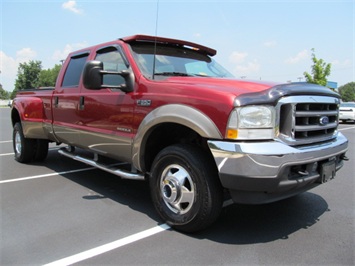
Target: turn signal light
(232, 134)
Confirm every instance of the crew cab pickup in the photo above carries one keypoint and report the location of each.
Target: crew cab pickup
(164, 110)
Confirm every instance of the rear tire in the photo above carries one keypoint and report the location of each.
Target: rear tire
(24, 148)
(185, 188)
(41, 150)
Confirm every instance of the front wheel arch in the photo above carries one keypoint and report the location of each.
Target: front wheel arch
(179, 115)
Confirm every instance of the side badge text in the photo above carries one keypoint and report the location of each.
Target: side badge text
(144, 102)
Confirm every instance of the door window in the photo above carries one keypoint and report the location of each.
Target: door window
(113, 61)
(74, 70)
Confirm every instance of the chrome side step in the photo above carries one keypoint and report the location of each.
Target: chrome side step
(111, 169)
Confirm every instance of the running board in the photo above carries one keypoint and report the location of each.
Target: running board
(116, 171)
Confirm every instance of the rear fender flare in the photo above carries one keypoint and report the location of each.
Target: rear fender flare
(31, 113)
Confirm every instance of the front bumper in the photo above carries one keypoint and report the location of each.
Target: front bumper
(262, 172)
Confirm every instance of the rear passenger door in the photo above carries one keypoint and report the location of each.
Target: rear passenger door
(66, 120)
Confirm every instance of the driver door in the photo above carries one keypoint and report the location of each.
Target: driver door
(106, 115)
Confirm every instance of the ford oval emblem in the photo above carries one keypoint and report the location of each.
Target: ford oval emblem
(324, 120)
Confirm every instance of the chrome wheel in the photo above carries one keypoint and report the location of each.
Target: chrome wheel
(18, 143)
(185, 188)
(24, 148)
(177, 189)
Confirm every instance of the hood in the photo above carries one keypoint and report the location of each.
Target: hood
(222, 85)
(248, 92)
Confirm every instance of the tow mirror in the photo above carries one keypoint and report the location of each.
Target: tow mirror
(93, 77)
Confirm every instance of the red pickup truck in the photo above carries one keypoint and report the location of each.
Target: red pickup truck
(166, 111)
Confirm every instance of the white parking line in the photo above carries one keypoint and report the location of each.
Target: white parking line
(110, 246)
(45, 175)
(115, 244)
(7, 154)
(5, 141)
(11, 153)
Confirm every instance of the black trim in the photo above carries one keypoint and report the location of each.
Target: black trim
(80, 54)
(273, 95)
(113, 47)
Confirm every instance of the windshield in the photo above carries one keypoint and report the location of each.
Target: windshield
(173, 60)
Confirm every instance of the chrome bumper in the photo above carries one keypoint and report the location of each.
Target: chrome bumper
(260, 172)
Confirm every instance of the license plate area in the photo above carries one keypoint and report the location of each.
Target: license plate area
(327, 171)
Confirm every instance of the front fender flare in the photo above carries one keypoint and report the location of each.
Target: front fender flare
(172, 113)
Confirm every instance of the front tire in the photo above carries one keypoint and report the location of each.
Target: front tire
(185, 188)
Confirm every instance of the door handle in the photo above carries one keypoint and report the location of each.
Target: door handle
(81, 103)
(56, 101)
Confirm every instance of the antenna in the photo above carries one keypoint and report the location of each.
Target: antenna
(155, 41)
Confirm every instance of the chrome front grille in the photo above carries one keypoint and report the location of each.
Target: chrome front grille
(308, 119)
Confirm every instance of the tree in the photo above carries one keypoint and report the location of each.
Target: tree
(320, 71)
(3, 93)
(48, 77)
(28, 75)
(347, 92)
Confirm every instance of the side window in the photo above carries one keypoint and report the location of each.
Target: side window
(113, 61)
(74, 70)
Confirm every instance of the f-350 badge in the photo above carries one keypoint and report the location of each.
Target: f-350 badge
(144, 102)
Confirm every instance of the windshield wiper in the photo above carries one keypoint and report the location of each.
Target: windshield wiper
(177, 74)
(200, 75)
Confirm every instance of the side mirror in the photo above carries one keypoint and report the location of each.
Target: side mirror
(93, 77)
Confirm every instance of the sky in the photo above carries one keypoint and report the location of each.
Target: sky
(268, 40)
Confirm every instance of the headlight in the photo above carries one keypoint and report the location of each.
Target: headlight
(255, 117)
(251, 122)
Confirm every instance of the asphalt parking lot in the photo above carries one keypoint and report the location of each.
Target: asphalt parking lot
(63, 212)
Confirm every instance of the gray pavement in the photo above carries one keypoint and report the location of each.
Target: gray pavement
(61, 208)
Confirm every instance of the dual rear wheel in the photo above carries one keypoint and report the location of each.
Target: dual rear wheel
(28, 150)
